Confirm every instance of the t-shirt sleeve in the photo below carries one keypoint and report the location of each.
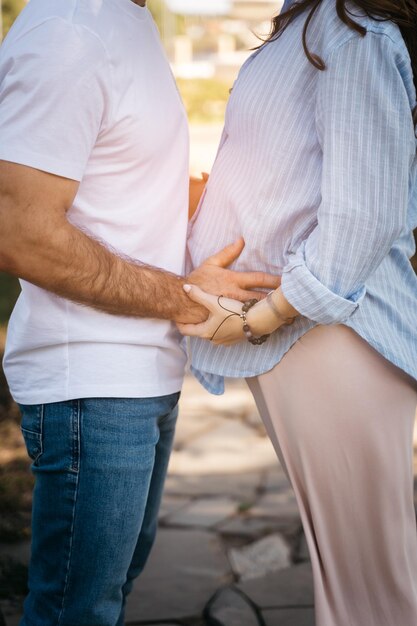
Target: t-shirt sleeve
(54, 97)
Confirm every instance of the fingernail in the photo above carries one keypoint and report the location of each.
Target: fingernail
(187, 288)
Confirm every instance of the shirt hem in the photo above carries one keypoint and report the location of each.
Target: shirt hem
(99, 391)
(248, 373)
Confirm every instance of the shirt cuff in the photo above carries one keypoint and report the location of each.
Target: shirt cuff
(313, 299)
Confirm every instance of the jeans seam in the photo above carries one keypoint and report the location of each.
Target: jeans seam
(41, 430)
(75, 427)
(77, 407)
(40, 411)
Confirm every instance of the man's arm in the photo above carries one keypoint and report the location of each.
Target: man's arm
(40, 245)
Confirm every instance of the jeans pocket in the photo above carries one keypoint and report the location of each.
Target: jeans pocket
(32, 429)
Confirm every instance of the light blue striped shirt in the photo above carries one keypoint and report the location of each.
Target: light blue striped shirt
(318, 171)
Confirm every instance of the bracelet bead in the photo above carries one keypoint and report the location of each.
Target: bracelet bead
(256, 341)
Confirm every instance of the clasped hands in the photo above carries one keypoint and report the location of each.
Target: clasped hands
(220, 293)
(224, 325)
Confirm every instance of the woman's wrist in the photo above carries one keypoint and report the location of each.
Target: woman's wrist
(281, 308)
(262, 320)
(268, 316)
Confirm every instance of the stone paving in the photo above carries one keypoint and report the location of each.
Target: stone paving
(229, 521)
(229, 524)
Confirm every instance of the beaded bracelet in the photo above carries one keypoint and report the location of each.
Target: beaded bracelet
(256, 341)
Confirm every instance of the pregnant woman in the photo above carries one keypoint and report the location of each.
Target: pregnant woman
(317, 170)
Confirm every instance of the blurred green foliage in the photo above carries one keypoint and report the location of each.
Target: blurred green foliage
(13, 580)
(9, 290)
(11, 9)
(204, 99)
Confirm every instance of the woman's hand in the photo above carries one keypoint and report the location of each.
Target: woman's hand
(224, 325)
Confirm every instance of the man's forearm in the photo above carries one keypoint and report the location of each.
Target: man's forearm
(73, 265)
(40, 245)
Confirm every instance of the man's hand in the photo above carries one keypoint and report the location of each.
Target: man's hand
(189, 311)
(213, 277)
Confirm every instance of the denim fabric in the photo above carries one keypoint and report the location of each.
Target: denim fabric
(100, 466)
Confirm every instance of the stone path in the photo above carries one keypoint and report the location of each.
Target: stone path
(229, 517)
(229, 522)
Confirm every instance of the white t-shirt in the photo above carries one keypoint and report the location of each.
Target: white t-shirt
(86, 92)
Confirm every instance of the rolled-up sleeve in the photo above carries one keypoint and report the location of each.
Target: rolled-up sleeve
(366, 134)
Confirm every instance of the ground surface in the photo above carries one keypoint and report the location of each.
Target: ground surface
(225, 491)
(229, 517)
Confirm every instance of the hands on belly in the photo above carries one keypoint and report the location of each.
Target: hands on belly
(211, 280)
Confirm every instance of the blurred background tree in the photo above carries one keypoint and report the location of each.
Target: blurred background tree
(9, 290)
(11, 9)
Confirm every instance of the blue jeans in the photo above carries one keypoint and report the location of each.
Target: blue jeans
(100, 466)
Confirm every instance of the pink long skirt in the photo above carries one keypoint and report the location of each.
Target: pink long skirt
(341, 419)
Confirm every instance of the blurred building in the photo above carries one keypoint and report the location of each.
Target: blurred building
(216, 35)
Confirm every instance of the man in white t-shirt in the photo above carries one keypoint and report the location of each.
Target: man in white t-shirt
(93, 219)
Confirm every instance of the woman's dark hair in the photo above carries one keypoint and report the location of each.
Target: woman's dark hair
(401, 12)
